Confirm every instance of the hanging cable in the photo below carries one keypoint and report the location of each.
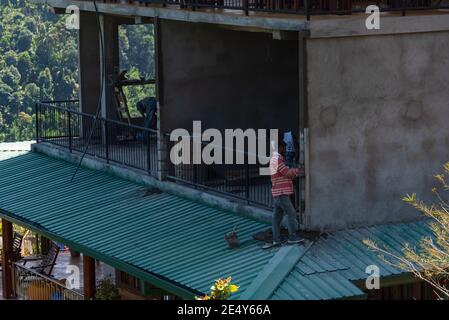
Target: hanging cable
(103, 76)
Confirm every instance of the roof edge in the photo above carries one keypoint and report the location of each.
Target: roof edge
(135, 176)
(274, 273)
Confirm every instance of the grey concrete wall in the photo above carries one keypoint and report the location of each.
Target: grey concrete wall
(111, 49)
(90, 61)
(378, 114)
(226, 78)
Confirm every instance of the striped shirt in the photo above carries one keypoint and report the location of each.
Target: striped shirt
(281, 176)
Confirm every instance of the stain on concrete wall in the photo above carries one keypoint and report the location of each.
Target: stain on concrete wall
(378, 110)
(227, 78)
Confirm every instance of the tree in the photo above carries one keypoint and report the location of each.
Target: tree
(31, 95)
(136, 93)
(45, 81)
(5, 92)
(24, 65)
(10, 76)
(430, 262)
(24, 40)
(10, 58)
(39, 59)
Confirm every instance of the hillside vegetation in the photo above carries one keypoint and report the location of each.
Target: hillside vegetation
(39, 61)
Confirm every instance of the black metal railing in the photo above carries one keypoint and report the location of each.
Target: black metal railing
(301, 7)
(61, 123)
(240, 181)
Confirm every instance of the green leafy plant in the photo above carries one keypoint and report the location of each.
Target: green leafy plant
(430, 261)
(221, 290)
(107, 290)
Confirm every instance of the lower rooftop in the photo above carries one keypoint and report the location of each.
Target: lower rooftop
(110, 143)
(317, 16)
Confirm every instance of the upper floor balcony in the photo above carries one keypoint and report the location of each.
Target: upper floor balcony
(306, 8)
(138, 148)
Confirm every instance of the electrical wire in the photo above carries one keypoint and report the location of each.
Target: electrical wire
(103, 76)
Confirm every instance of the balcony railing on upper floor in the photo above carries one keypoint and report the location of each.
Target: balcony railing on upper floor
(301, 7)
(240, 180)
(61, 123)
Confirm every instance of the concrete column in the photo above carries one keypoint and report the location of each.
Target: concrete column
(89, 68)
(89, 62)
(89, 277)
(7, 277)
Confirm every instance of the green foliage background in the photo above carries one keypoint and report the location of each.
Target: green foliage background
(39, 61)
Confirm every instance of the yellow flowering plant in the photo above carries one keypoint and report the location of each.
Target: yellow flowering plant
(221, 290)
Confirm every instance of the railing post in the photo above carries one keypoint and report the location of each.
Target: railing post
(247, 181)
(69, 124)
(195, 174)
(245, 7)
(36, 113)
(404, 4)
(106, 138)
(147, 137)
(306, 8)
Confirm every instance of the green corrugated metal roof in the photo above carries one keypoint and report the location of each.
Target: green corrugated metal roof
(320, 286)
(274, 273)
(178, 244)
(329, 268)
(175, 239)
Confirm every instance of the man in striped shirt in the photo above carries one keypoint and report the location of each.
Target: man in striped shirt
(282, 188)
